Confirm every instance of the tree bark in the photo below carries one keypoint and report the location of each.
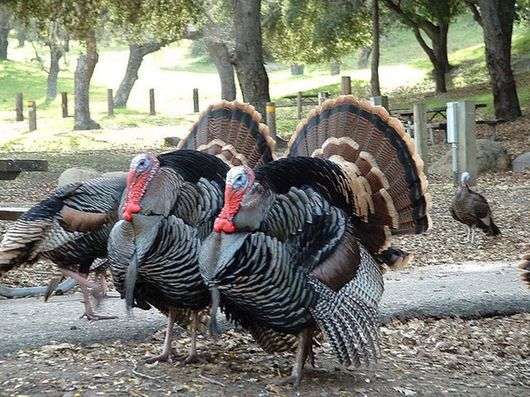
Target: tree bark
(248, 55)
(374, 77)
(55, 55)
(84, 70)
(497, 21)
(21, 36)
(5, 27)
(218, 51)
(137, 52)
(364, 57)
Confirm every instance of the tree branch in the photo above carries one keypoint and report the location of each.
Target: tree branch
(416, 21)
(474, 10)
(428, 50)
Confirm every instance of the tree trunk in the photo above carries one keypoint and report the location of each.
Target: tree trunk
(221, 57)
(21, 36)
(137, 52)
(248, 57)
(5, 27)
(497, 22)
(55, 55)
(84, 70)
(364, 56)
(374, 78)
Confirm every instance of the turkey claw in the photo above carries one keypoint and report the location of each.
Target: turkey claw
(166, 357)
(96, 317)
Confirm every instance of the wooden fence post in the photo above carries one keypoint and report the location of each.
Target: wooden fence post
(32, 115)
(64, 104)
(271, 118)
(321, 98)
(420, 132)
(19, 102)
(299, 105)
(196, 100)
(152, 110)
(461, 134)
(345, 85)
(380, 101)
(110, 102)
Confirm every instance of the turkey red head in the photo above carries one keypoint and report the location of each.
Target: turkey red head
(142, 170)
(245, 202)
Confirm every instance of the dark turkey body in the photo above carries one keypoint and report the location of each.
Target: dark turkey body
(168, 274)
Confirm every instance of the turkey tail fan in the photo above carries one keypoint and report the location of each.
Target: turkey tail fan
(349, 317)
(524, 268)
(232, 131)
(374, 150)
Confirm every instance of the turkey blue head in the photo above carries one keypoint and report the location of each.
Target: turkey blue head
(244, 202)
(143, 167)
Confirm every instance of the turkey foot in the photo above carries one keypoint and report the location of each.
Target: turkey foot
(164, 357)
(193, 357)
(305, 344)
(167, 351)
(91, 316)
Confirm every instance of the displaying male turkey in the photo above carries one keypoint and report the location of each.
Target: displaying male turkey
(472, 209)
(169, 206)
(40, 233)
(294, 248)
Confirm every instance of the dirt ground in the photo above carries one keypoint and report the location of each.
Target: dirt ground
(487, 357)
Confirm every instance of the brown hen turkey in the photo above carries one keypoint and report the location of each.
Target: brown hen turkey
(472, 209)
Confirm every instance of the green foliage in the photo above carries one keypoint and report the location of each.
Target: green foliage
(313, 31)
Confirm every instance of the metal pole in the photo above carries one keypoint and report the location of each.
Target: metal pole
(19, 107)
(380, 101)
(271, 118)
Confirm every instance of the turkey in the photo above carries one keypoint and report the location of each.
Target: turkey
(472, 209)
(299, 244)
(40, 233)
(524, 268)
(169, 207)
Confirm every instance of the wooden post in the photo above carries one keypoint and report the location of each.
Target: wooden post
(32, 115)
(461, 134)
(271, 118)
(299, 105)
(345, 85)
(152, 110)
(420, 132)
(321, 98)
(110, 102)
(196, 100)
(64, 104)
(380, 101)
(19, 107)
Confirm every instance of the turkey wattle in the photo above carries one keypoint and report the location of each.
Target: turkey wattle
(298, 245)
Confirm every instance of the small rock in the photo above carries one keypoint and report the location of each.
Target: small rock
(73, 175)
(521, 163)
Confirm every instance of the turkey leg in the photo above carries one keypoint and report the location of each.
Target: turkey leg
(192, 355)
(167, 351)
(86, 286)
(305, 343)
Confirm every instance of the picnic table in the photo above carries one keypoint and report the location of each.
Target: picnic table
(408, 114)
(291, 100)
(9, 170)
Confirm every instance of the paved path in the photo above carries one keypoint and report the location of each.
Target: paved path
(468, 291)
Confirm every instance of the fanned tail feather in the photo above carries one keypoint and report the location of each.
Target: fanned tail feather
(232, 131)
(380, 159)
(349, 317)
